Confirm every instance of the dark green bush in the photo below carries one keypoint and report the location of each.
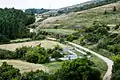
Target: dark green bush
(56, 54)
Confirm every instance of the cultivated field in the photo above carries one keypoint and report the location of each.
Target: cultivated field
(25, 66)
(59, 31)
(44, 43)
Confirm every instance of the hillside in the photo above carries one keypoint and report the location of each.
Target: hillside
(84, 18)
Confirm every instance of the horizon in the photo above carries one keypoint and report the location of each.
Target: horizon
(52, 4)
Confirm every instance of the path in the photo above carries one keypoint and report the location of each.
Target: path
(109, 62)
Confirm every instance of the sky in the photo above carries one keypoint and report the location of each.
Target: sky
(48, 4)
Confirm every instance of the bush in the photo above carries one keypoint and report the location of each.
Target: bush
(57, 47)
(33, 58)
(70, 38)
(102, 31)
(56, 54)
(20, 52)
(43, 59)
(93, 38)
(38, 37)
(6, 54)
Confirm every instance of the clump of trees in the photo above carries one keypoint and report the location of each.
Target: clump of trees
(79, 69)
(95, 33)
(13, 24)
(36, 11)
(36, 54)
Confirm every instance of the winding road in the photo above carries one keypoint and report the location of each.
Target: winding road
(109, 62)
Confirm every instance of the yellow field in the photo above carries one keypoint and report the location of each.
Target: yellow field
(25, 66)
(44, 43)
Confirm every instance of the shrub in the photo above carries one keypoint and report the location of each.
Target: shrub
(38, 37)
(56, 54)
(70, 38)
(6, 54)
(33, 58)
(43, 59)
(20, 52)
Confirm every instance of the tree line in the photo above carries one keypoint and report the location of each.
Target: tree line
(36, 11)
(92, 4)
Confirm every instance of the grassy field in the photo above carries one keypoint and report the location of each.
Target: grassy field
(44, 43)
(85, 18)
(59, 31)
(25, 66)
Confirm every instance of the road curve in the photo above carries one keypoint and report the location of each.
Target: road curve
(109, 62)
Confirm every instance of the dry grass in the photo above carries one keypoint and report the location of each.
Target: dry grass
(25, 66)
(44, 43)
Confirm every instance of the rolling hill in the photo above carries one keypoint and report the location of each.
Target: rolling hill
(84, 18)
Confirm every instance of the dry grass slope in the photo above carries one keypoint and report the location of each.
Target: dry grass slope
(85, 18)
